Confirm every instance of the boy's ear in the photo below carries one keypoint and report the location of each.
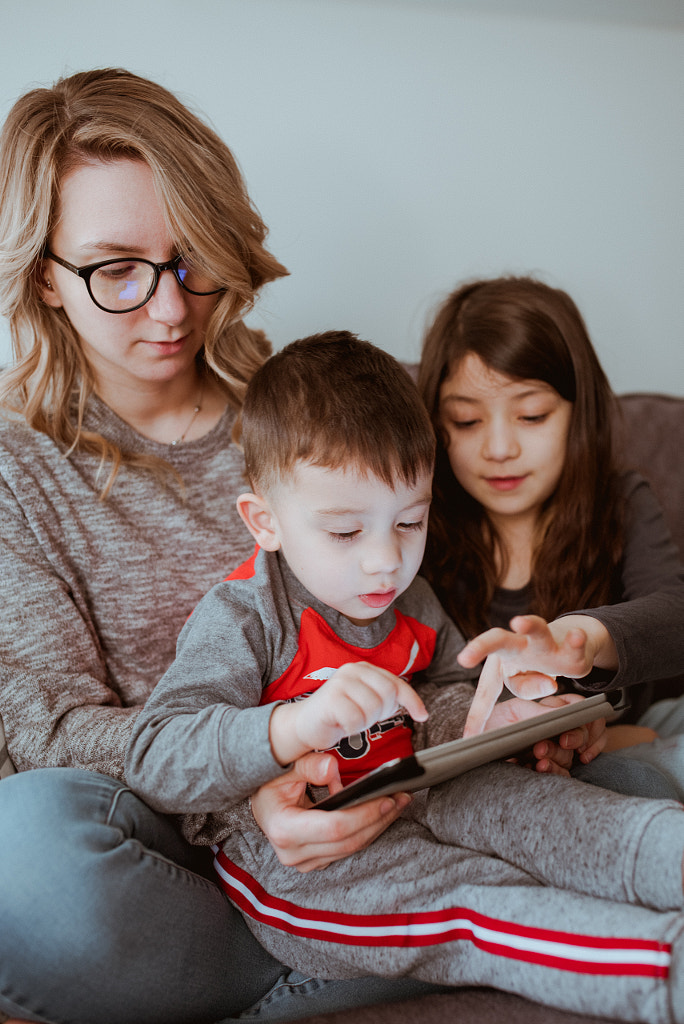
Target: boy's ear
(259, 520)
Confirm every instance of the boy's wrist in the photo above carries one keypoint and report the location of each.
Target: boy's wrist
(282, 733)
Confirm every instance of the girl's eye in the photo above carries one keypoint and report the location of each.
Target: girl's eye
(535, 419)
(343, 538)
(463, 424)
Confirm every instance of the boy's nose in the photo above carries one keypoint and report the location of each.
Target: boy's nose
(383, 556)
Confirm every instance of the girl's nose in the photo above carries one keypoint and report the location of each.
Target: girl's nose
(500, 442)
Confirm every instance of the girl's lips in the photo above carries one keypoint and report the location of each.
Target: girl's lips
(378, 600)
(504, 483)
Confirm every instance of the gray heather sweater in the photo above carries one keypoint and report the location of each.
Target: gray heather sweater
(95, 593)
(196, 746)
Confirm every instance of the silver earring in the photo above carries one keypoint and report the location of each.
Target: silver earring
(49, 285)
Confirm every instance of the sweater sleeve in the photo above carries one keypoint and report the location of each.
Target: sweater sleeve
(201, 744)
(647, 625)
(57, 706)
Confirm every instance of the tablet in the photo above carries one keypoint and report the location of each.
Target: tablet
(437, 764)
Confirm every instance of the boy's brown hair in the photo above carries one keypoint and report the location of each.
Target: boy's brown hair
(334, 400)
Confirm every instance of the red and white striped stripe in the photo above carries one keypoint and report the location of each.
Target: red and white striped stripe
(587, 954)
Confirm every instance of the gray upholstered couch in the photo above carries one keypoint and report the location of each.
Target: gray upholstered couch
(652, 440)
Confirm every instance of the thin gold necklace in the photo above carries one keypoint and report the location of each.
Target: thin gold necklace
(195, 413)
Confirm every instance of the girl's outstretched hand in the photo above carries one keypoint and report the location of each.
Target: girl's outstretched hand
(309, 839)
(528, 658)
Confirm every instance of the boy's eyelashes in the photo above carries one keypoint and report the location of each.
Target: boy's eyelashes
(419, 524)
(349, 535)
(342, 537)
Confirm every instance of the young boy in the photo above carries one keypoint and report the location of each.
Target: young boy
(325, 639)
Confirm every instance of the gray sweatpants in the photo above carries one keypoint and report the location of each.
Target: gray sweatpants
(549, 888)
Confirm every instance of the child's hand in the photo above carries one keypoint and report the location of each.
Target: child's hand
(528, 659)
(584, 743)
(553, 757)
(356, 697)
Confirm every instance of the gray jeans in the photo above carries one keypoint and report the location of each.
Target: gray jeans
(108, 917)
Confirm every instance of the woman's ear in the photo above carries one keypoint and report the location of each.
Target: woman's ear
(48, 292)
(259, 520)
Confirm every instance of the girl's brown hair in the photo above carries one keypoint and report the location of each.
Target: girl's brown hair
(526, 330)
(107, 115)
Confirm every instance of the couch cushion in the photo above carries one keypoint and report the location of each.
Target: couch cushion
(650, 438)
(462, 1006)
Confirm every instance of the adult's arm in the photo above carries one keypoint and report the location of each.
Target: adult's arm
(201, 743)
(56, 702)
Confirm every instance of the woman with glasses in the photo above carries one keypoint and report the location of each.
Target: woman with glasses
(129, 255)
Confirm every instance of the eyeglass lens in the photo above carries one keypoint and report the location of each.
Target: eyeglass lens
(127, 283)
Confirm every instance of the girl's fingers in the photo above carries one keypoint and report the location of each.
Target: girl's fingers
(531, 625)
(552, 758)
(307, 839)
(531, 685)
(489, 687)
(493, 641)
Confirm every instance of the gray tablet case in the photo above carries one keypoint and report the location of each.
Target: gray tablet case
(437, 764)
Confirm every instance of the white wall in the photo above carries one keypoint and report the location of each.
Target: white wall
(397, 146)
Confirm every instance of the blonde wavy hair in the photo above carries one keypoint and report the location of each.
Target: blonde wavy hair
(111, 114)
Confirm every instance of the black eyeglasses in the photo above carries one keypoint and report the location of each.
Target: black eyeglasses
(120, 286)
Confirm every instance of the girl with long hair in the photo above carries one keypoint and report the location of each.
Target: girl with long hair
(541, 547)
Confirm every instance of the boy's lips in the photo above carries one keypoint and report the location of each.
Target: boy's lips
(379, 599)
(504, 483)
